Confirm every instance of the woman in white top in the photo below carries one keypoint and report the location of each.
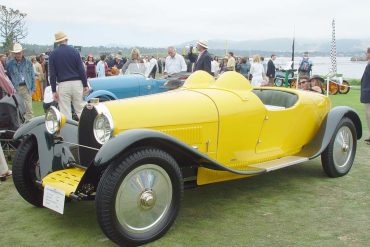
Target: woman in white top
(257, 72)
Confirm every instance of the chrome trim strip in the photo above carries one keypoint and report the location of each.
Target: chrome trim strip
(97, 149)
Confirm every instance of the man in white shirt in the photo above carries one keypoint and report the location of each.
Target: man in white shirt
(175, 63)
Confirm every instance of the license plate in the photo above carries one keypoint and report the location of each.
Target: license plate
(54, 199)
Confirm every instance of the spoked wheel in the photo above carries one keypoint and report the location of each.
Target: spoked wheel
(337, 159)
(26, 171)
(279, 82)
(293, 83)
(138, 198)
(344, 88)
(333, 88)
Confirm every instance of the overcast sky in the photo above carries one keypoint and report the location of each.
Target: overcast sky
(159, 23)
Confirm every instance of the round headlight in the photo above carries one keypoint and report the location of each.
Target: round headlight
(53, 120)
(103, 127)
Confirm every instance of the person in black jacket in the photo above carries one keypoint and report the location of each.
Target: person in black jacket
(204, 58)
(271, 70)
(365, 92)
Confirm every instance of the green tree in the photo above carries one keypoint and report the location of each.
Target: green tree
(12, 26)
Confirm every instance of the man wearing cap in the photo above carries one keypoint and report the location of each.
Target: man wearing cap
(22, 75)
(204, 58)
(118, 61)
(365, 92)
(66, 68)
(174, 63)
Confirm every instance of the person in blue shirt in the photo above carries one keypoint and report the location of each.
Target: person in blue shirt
(66, 68)
(21, 73)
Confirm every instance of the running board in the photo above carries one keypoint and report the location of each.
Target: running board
(273, 165)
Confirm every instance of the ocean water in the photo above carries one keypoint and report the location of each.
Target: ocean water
(322, 65)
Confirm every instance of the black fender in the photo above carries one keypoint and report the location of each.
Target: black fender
(146, 137)
(54, 154)
(327, 128)
(27, 128)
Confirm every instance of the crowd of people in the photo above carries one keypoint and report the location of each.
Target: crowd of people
(65, 66)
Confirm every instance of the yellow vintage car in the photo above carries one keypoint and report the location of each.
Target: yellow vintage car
(135, 156)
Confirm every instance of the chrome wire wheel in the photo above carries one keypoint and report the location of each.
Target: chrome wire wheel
(343, 146)
(143, 198)
(139, 196)
(338, 156)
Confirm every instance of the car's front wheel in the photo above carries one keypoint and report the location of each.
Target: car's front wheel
(26, 172)
(138, 198)
(337, 159)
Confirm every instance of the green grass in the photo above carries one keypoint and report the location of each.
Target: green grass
(296, 206)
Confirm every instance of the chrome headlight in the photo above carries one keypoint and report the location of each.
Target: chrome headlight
(54, 120)
(103, 124)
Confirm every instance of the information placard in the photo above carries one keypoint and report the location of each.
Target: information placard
(54, 199)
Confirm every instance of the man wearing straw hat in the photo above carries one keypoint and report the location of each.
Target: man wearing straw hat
(66, 68)
(204, 59)
(22, 75)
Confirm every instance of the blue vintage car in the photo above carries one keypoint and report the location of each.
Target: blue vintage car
(124, 86)
(135, 82)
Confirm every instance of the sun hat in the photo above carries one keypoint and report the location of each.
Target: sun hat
(203, 43)
(60, 36)
(17, 48)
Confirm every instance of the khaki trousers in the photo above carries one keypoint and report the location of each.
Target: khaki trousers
(71, 92)
(27, 98)
(367, 113)
(3, 165)
(271, 81)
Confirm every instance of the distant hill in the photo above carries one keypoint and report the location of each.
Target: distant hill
(279, 46)
(344, 46)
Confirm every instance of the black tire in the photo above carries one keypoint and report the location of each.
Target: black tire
(115, 181)
(337, 159)
(279, 82)
(26, 172)
(344, 88)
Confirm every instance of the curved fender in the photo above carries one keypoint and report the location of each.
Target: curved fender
(117, 145)
(99, 93)
(53, 155)
(326, 131)
(28, 127)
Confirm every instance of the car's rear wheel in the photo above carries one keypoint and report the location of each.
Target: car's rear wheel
(337, 159)
(26, 171)
(138, 198)
(344, 87)
(279, 82)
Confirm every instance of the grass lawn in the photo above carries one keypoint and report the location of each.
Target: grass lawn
(296, 206)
